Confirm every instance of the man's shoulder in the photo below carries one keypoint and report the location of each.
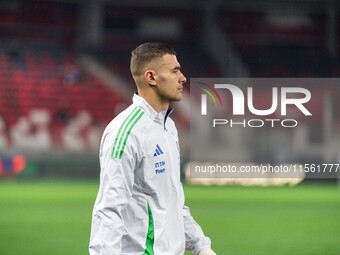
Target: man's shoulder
(127, 120)
(126, 130)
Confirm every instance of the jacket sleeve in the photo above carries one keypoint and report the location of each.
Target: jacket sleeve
(195, 240)
(115, 189)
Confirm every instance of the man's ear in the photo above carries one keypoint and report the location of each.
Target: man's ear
(149, 76)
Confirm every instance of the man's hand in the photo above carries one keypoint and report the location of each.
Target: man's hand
(206, 251)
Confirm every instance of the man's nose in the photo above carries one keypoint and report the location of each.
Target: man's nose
(183, 79)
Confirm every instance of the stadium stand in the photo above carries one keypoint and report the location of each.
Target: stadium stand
(47, 90)
(39, 71)
(280, 45)
(48, 101)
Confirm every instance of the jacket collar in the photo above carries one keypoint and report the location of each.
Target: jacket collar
(159, 117)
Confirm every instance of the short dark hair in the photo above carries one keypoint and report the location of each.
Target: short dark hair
(147, 52)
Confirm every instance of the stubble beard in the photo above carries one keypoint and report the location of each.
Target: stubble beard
(171, 98)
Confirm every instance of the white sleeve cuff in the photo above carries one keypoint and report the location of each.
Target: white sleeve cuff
(206, 251)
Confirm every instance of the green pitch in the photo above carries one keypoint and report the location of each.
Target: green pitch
(53, 217)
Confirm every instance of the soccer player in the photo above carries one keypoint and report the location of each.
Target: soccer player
(140, 204)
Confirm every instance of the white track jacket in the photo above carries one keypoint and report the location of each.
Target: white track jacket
(140, 204)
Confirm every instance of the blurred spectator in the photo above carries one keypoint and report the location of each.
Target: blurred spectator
(62, 114)
(72, 75)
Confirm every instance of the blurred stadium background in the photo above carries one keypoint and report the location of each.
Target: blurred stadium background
(64, 74)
